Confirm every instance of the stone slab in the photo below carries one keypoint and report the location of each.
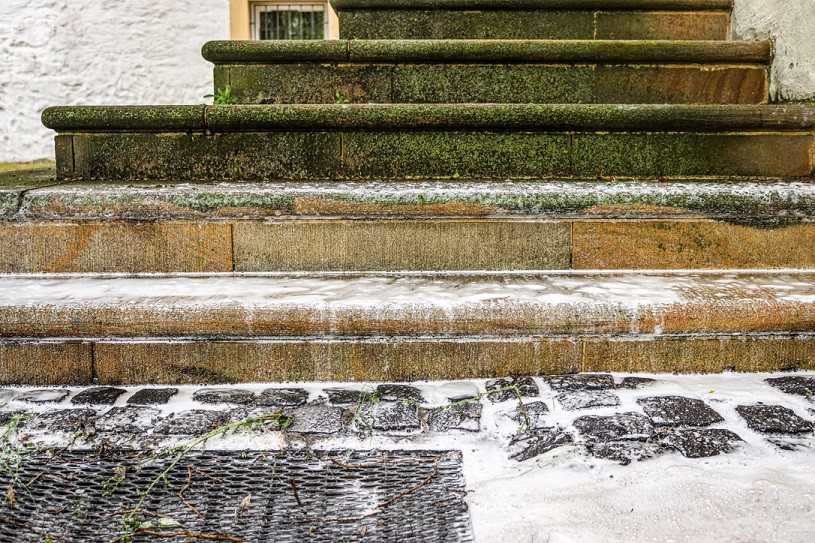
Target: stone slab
(46, 363)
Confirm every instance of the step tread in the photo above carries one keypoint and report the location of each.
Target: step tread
(643, 304)
(488, 51)
(615, 117)
(745, 200)
(534, 4)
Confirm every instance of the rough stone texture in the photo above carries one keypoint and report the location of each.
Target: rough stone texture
(152, 396)
(6, 396)
(65, 421)
(572, 401)
(624, 452)
(538, 441)
(332, 245)
(45, 363)
(98, 396)
(6, 416)
(513, 388)
(530, 416)
(115, 247)
(634, 383)
(41, 396)
(460, 391)
(129, 420)
(622, 426)
(399, 393)
(701, 443)
(224, 395)
(690, 244)
(317, 419)
(194, 422)
(678, 410)
(579, 382)
(282, 397)
(794, 384)
(464, 416)
(775, 419)
(345, 396)
(389, 417)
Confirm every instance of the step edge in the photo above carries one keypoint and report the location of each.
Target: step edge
(526, 5)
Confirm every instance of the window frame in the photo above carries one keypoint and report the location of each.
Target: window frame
(240, 17)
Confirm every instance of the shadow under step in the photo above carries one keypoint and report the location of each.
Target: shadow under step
(416, 226)
(227, 328)
(534, 19)
(405, 141)
(492, 71)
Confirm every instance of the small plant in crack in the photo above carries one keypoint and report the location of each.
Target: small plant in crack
(12, 456)
(222, 97)
(364, 412)
(340, 97)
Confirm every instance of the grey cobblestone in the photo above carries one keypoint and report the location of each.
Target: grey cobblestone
(794, 384)
(773, 419)
(580, 382)
(701, 443)
(192, 423)
(224, 395)
(463, 416)
(573, 401)
(152, 396)
(98, 396)
(317, 419)
(283, 397)
(130, 420)
(679, 411)
(538, 441)
(43, 396)
(502, 390)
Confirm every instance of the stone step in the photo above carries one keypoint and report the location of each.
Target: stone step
(490, 71)
(458, 141)
(232, 328)
(534, 19)
(418, 226)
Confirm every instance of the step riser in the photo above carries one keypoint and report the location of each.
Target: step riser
(532, 24)
(473, 83)
(307, 155)
(396, 245)
(384, 359)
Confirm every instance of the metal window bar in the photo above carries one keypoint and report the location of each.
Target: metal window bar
(274, 21)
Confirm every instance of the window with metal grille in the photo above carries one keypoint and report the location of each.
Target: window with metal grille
(277, 21)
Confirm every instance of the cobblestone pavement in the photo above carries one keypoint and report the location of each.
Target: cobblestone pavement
(540, 422)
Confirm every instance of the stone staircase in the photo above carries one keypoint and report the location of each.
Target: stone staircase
(456, 188)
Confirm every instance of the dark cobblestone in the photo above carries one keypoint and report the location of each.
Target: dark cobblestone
(792, 445)
(66, 421)
(622, 426)
(579, 382)
(464, 416)
(6, 416)
(636, 382)
(389, 417)
(152, 396)
(317, 419)
(701, 443)
(48, 395)
(572, 401)
(399, 393)
(679, 411)
(527, 445)
(773, 419)
(98, 396)
(345, 396)
(794, 384)
(131, 419)
(530, 416)
(283, 397)
(194, 422)
(624, 452)
(501, 390)
(224, 395)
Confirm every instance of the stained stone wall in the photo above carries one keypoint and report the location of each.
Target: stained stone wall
(148, 51)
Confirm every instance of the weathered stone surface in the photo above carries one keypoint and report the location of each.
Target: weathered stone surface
(317, 419)
(530, 416)
(152, 396)
(98, 396)
(346, 396)
(579, 382)
(65, 421)
(282, 397)
(538, 441)
(460, 391)
(624, 452)
(572, 401)
(502, 390)
(775, 419)
(678, 410)
(389, 417)
(794, 384)
(701, 443)
(224, 395)
(129, 420)
(343, 245)
(622, 426)
(48, 395)
(6, 396)
(636, 382)
(46, 363)
(115, 247)
(690, 244)
(662, 25)
(194, 422)
(399, 393)
(464, 416)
